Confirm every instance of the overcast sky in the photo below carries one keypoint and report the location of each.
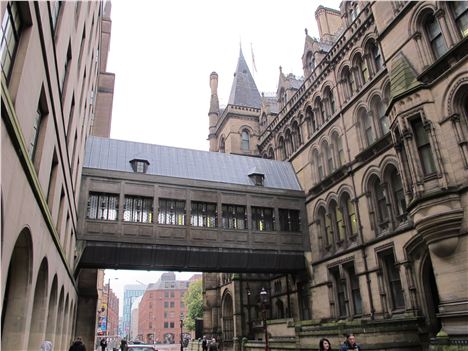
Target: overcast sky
(162, 53)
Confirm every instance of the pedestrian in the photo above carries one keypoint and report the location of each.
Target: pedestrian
(123, 345)
(204, 344)
(324, 345)
(77, 345)
(213, 345)
(350, 343)
(103, 344)
(46, 345)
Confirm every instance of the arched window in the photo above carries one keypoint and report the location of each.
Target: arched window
(331, 101)
(324, 228)
(348, 82)
(435, 36)
(397, 195)
(349, 214)
(281, 148)
(288, 143)
(338, 147)
(297, 138)
(337, 218)
(379, 111)
(361, 69)
(222, 145)
(460, 14)
(321, 117)
(282, 97)
(271, 153)
(374, 53)
(329, 158)
(379, 202)
(310, 61)
(228, 319)
(366, 124)
(245, 145)
(318, 164)
(310, 118)
(279, 309)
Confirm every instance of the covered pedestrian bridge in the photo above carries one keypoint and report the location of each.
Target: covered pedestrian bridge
(154, 207)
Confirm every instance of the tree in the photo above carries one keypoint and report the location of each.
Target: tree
(193, 299)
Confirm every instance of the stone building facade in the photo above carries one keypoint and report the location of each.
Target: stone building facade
(377, 132)
(51, 63)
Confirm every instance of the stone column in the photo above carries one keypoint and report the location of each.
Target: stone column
(87, 307)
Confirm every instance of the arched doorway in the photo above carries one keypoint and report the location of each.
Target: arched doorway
(15, 300)
(431, 296)
(228, 319)
(38, 317)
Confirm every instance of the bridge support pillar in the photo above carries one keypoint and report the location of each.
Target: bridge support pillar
(87, 307)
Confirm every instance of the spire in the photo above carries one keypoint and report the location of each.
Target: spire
(244, 91)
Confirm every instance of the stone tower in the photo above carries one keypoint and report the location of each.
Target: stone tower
(235, 128)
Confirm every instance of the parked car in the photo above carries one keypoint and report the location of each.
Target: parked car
(141, 347)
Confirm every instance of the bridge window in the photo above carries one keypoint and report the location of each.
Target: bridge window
(203, 214)
(138, 209)
(263, 219)
(171, 212)
(234, 217)
(289, 220)
(103, 206)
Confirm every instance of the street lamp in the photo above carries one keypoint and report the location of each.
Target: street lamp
(264, 303)
(181, 334)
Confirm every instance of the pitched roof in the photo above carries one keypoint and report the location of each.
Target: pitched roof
(115, 155)
(244, 91)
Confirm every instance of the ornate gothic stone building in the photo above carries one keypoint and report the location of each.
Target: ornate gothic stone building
(377, 133)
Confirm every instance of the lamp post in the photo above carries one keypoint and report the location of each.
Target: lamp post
(181, 334)
(264, 303)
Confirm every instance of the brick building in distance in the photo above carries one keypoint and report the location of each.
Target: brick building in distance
(161, 309)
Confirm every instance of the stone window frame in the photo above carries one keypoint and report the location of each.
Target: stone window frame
(388, 284)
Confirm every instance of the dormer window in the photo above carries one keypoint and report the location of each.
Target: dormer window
(257, 177)
(139, 166)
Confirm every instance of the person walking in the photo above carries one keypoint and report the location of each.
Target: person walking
(77, 345)
(213, 345)
(324, 345)
(103, 344)
(204, 344)
(350, 343)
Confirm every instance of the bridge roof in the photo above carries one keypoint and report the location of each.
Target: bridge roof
(115, 155)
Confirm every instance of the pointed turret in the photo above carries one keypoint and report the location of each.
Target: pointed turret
(244, 91)
(213, 113)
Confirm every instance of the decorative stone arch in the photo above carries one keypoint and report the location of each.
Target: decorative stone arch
(420, 10)
(17, 292)
(227, 314)
(417, 32)
(345, 188)
(222, 143)
(332, 196)
(39, 315)
(420, 272)
(371, 171)
(450, 101)
(343, 64)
